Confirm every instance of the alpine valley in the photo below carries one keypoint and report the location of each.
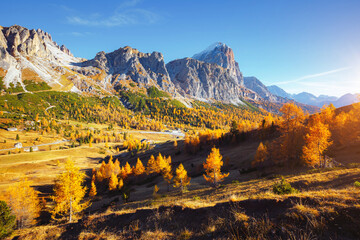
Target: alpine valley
(127, 146)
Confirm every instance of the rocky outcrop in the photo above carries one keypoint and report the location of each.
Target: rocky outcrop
(198, 79)
(64, 49)
(146, 69)
(19, 41)
(32, 50)
(22, 41)
(222, 55)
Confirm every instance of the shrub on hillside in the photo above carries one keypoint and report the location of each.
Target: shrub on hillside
(283, 187)
(357, 184)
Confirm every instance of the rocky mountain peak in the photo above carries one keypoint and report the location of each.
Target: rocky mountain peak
(18, 40)
(205, 81)
(146, 69)
(222, 55)
(34, 51)
(64, 49)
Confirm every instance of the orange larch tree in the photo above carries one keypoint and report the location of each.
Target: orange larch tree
(113, 182)
(24, 203)
(151, 165)
(317, 140)
(93, 191)
(139, 168)
(117, 167)
(260, 156)
(213, 166)
(127, 169)
(291, 131)
(181, 178)
(164, 165)
(69, 192)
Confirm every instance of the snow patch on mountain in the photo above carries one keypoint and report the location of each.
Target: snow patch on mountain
(209, 49)
(13, 75)
(61, 57)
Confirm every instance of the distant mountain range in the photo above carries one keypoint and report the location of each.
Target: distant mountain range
(310, 99)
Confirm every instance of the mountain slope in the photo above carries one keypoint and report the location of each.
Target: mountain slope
(279, 92)
(257, 86)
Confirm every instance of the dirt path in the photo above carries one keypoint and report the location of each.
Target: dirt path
(44, 144)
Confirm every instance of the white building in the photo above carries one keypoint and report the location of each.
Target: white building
(18, 145)
(34, 149)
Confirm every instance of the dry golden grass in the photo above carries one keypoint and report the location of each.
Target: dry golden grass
(39, 233)
(157, 234)
(28, 74)
(43, 167)
(329, 198)
(26, 138)
(88, 235)
(306, 210)
(2, 72)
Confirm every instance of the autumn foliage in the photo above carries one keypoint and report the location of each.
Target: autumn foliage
(317, 140)
(260, 156)
(69, 192)
(24, 203)
(181, 179)
(213, 166)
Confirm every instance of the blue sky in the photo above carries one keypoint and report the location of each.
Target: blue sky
(305, 45)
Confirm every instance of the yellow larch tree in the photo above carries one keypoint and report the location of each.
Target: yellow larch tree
(117, 167)
(122, 173)
(100, 175)
(127, 169)
(213, 166)
(109, 169)
(24, 203)
(139, 168)
(93, 191)
(164, 165)
(260, 156)
(317, 140)
(69, 192)
(291, 128)
(151, 165)
(113, 182)
(181, 179)
(121, 183)
(159, 163)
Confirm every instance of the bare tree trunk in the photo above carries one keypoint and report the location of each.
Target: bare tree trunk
(70, 217)
(215, 183)
(182, 187)
(319, 155)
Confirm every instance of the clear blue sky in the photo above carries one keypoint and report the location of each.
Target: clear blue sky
(304, 45)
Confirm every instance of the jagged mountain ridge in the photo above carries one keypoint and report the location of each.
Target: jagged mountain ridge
(35, 53)
(215, 76)
(127, 63)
